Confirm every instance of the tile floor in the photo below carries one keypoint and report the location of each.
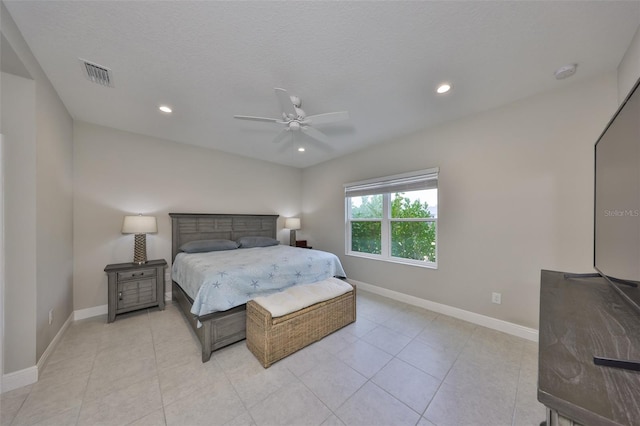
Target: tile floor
(397, 365)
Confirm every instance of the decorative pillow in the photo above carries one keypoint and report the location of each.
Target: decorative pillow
(200, 246)
(248, 242)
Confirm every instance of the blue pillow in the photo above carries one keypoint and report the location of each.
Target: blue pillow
(248, 242)
(200, 246)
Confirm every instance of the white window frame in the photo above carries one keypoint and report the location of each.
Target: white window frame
(405, 182)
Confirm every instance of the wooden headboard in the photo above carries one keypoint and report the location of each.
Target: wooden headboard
(187, 227)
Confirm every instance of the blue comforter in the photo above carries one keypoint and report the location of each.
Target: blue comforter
(221, 280)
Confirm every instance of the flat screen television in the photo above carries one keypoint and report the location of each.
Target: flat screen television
(617, 200)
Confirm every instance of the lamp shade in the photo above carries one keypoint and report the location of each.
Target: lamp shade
(292, 223)
(139, 225)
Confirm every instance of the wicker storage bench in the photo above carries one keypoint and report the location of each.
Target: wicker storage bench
(271, 339)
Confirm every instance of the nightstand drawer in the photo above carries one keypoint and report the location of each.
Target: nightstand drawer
(136, 274)
(132, 293)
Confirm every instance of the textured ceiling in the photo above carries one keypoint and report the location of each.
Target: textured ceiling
(378, 60)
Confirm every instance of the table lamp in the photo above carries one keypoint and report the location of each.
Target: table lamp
(140, 226)
(292, 223)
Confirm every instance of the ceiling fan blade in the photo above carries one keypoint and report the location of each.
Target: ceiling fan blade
(285, 102)
(315, 134)
(246, 117)
(320, 145)
(282, 135)
(286, 146)
(329, 117)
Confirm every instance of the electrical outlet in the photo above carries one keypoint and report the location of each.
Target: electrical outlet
(50, 316)
(496, 298)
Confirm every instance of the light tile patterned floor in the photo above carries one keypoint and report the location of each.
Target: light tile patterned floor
(397, 365)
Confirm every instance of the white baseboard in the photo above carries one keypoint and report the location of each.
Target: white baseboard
(29, 375)
(42, 362)
(90, 312)
(20, 378)
(472, 317)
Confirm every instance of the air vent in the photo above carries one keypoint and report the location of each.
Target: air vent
(97, 73)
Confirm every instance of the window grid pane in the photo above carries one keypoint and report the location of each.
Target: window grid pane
(414, 240)
(366, 237)
(367, 206)
(415, 204)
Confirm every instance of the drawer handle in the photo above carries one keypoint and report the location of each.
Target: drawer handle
(120, 295)
(137, 275)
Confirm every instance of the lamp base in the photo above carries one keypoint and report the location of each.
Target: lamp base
(140, 249)
(292, 238)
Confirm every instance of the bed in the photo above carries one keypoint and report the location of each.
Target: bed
(219, 321)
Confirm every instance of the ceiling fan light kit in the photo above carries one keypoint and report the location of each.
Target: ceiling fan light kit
(294, 125)
(295, 120)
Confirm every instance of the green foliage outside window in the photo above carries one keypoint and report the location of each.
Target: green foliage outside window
(366, 237)
(369, 208)
(409, 239)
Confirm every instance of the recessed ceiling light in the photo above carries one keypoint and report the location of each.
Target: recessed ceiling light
(165, 108)
(443, 88)
(301, 149)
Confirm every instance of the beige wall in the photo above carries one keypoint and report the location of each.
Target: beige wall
(17, 125)
(54, 216)
(43, 180)
(516, 196)
(119, 173)
(629, 68)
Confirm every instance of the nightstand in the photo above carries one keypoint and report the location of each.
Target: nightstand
(302, 244)
(133, 286)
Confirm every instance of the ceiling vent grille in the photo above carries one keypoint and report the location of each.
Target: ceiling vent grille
(97, 73)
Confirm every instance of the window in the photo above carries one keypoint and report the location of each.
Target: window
(394, 218)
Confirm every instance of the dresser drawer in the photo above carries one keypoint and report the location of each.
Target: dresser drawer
(136, 292)
(136, 274)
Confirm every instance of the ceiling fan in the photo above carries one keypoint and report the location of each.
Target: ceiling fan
(295, 120)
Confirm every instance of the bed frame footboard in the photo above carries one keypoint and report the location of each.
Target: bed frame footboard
(217, 330)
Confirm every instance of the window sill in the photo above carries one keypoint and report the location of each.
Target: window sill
(394, 260)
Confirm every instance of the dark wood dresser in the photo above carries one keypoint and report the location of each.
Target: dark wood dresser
(583, 317)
